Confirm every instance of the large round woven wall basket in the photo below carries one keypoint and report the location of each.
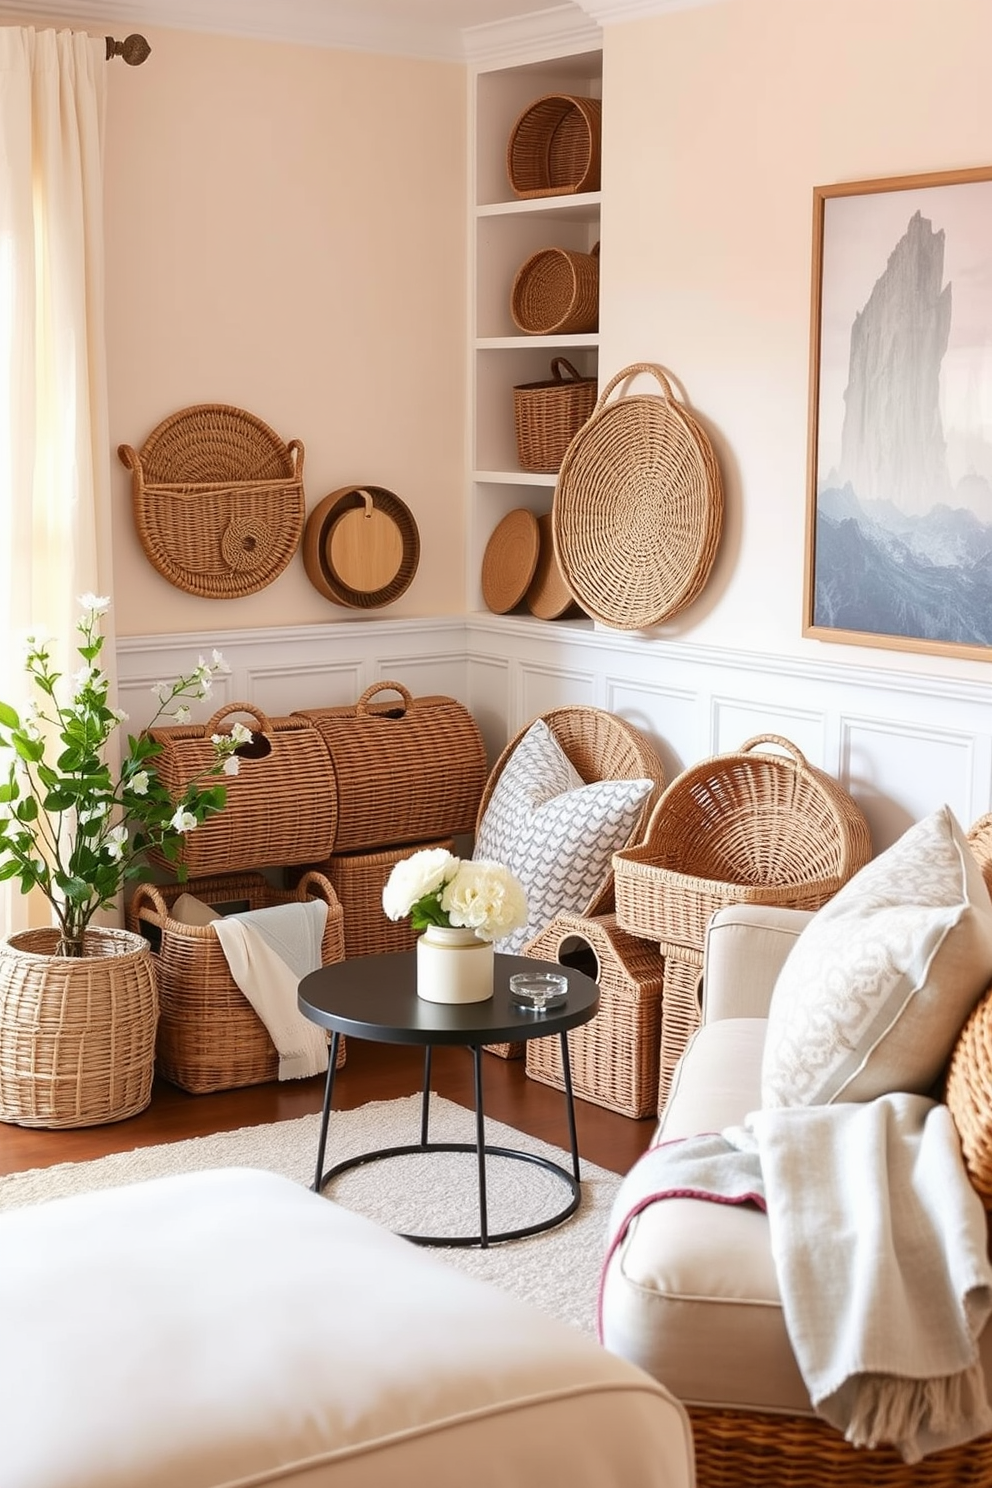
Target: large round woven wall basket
(217, 499)
(77, 1034)
(638, 507)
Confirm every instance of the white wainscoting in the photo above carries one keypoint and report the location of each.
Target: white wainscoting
(901, 743)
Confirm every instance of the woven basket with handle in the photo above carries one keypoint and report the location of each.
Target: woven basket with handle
(209, 1035)
(547, 415)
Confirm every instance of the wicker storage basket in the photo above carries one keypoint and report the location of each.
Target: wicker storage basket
(601, 746)
(743, 1449)
(407, 771)
(614, 1059)
(638, 507)
(358, 879)
(209, 1035)
(556, 291)
(554, 146)
(281, 806)
(754, 827)
(547, 415)
(77, 1034)
(681, 1011)
(218, 500)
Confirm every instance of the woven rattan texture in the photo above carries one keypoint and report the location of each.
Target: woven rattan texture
(556, 290)
(742, 1449)
(510, 560)
(408, 770)
(209, 1035)
(555, 145)
(358, 880)
(281, 807)
(319, 530)
(680, 1012)
(548, 596)
(601, 746)
(638, 507)
(613, 1059)
(548, 415)
(77, 1034)
(218, 500)
(753, 827)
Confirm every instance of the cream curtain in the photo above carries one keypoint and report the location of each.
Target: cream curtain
(54, 436)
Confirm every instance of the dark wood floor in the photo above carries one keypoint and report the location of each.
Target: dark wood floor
(372, 1072)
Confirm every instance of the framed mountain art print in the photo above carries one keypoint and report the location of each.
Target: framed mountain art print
(899, 489)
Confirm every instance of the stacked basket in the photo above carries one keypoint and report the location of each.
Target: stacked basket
(759, 826)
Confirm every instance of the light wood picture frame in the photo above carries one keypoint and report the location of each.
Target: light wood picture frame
(899, 467)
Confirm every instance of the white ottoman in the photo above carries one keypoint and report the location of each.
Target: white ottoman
(231, 1328)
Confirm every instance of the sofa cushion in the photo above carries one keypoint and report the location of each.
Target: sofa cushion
(556, 833)
(874, 993)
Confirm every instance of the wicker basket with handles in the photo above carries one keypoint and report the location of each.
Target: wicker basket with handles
(547, 415)
(209, 1035)
(281, 806)
(753, 827)
(407, 770)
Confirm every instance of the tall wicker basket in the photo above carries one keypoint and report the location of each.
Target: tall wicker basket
(209, 1035)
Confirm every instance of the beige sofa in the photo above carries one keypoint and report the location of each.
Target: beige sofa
(232, 1328)
(691, 1294)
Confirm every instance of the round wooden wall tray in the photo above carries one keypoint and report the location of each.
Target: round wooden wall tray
(361, 547)
(510, 560)
(549, 597)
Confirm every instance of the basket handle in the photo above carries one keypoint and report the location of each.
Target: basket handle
(573, 373)
(297, 451)
(264, 724)
(783, 743)
(655, 371)
(128, 457)
(362, 706)
(147, 891)
(315, 885)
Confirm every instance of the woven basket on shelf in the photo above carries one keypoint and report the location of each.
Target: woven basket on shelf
(754, 827)
(209, 1035)
(218, 500)
(556, 291)
(614, 1059)
(408, 770)
(547, 415)
(638, 507)
(77, 1034)
(281, 806)
(744, 1449)
(554, 147)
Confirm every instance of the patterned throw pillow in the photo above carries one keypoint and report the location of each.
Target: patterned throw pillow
(872, 996)
(555, 833)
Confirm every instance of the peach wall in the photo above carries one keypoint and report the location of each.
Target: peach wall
(286, 233)
(718, 122)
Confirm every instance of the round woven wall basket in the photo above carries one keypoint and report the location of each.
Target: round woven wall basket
(638, 507)
(554, 146)
(77, 1033)
(361, 547)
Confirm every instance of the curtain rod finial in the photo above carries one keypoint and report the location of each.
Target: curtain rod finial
(134, 49)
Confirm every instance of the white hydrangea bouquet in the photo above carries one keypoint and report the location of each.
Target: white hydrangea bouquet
(434, 887)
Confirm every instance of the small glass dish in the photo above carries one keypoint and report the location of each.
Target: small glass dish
(538, 990)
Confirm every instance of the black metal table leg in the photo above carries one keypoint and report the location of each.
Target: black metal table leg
(332, 1061)
(566, 1065)
(480, 1148)
(425, 1097)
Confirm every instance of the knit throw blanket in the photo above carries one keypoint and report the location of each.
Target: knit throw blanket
(880, 1246)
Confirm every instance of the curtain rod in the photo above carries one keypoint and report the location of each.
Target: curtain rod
(134, 49)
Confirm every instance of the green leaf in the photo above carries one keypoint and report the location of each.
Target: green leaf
(8, 718)
(31, 750)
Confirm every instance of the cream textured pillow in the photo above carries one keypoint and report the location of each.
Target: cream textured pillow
(190, 911)
(555, 833)
(872, 996)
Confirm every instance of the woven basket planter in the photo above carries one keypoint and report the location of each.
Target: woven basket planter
(218, 500)
(281, 806)
(753, 827)
(638, 507)
(556, 291)
(547, 415)
(407, 770)
(209, 1035)
(614, 1059)
(744, 1449)
(554, 146)
(77, 1034)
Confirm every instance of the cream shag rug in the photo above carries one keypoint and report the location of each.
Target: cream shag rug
(434, 1193)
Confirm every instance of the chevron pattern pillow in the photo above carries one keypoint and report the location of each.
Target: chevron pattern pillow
(557, 834)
